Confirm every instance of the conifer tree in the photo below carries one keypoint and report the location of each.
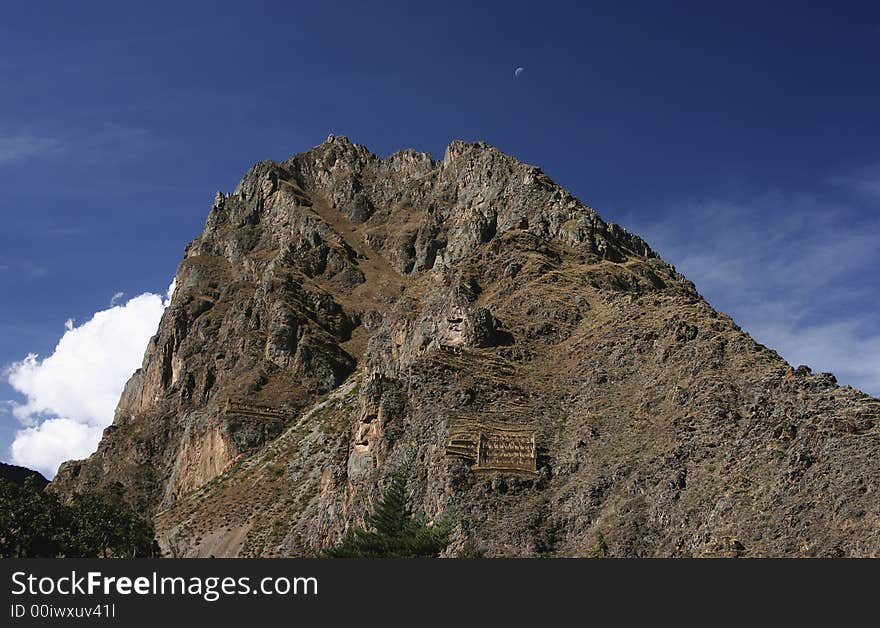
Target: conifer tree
(393, 531)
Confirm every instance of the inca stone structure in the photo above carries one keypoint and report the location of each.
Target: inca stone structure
(241, 407)
(493, 446)
(506, 452)
(547, 375)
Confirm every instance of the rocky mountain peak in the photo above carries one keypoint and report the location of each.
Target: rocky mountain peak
(552, 377)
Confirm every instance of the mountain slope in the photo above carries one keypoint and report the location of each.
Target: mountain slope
(551, 376)
(18, 475)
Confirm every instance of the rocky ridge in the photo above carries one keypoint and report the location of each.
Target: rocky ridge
(342, 313)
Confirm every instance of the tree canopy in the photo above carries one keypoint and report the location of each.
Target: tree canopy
(34, 523)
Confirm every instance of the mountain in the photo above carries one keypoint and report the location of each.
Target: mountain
(543, 372)
(18, 475)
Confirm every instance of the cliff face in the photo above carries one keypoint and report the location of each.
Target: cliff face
(552, 378)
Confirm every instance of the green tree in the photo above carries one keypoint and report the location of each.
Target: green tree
(393, 531)
(34, 523)
(104, 526)
(600, 549)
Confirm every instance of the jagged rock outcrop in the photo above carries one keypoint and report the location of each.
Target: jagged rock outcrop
(551, 376)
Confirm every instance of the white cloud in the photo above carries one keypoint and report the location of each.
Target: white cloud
(23, 269)
(70, 396)
(115, 298)
(865, 181)
(20, 147)
(842, 347)
(797, 273)
(871, 186)
(52, 442)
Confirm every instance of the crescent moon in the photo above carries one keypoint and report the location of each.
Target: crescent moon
(518, 71)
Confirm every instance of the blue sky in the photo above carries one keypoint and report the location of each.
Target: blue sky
(741, 141)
